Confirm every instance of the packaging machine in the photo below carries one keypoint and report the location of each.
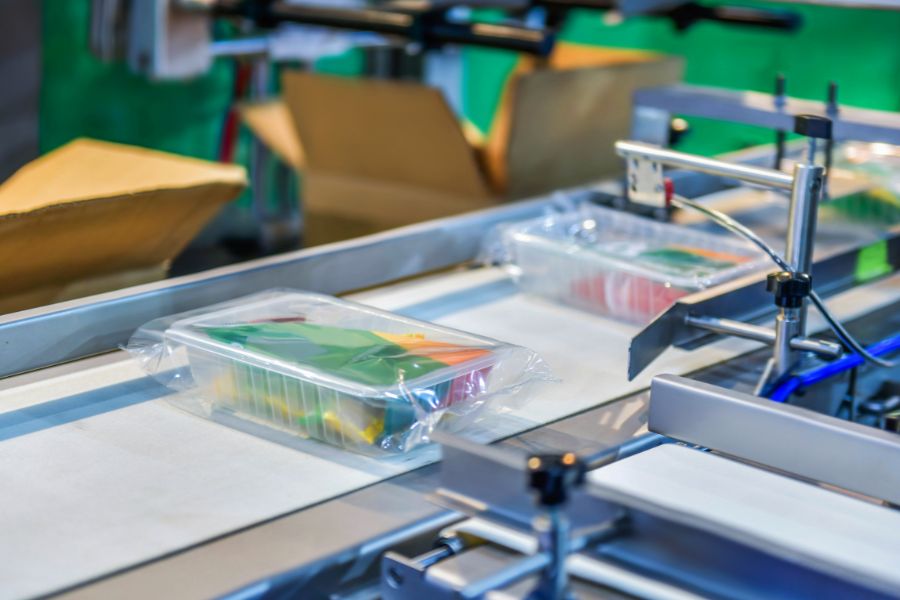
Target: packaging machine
(650, 469)
(112, 492)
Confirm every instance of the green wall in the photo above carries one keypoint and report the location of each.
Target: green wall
(858, 49)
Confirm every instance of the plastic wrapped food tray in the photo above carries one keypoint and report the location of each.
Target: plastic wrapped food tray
(620, 265)
(334, 371)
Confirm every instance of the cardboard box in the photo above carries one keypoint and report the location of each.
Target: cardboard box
(94, 216)
(378, 154)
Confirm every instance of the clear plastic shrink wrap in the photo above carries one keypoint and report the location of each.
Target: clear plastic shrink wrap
(617, 264)
(335, 371)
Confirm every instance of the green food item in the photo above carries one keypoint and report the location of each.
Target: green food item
(687, 262)
(356, 355)
(380, 418)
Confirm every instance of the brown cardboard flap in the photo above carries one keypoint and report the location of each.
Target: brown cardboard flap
(556, 127)
(383, 204)
(272, 123)
(90, 169)
(92, 208)
(388, 131)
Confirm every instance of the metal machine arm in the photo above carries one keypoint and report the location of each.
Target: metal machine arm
(647, 185)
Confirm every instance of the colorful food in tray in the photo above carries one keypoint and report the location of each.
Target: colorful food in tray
(639, 298)
(395, 366)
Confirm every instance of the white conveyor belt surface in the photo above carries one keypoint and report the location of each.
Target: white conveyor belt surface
(100, 473)
(798, 521)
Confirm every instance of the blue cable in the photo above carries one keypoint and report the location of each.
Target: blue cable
(845, 363)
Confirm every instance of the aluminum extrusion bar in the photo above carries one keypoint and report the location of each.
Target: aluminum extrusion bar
(756, 108)
(788, 438)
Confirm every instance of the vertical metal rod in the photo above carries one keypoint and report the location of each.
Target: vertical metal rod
(811, 151)
(780, 142)
(802, 216)
(801, 235)
(780, 134)
(554, 542)
(788, 325)
(831, 110)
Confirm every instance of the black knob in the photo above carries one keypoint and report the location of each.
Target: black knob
(553, 475)
(892, 423)
(813, 126)
(789, 288)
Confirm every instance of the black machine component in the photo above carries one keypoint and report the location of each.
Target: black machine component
(683, 15)
(813, 126)
(425, 24)
(552, 476)
(789, 288)
(428, 24)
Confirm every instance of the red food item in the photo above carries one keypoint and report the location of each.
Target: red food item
(626, 296)
(648, 298)
(591, 292)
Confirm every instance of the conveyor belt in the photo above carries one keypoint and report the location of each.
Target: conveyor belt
(101, 473)
(797, 521)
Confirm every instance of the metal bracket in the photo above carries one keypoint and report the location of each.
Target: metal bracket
(646, 183)
(744, 299)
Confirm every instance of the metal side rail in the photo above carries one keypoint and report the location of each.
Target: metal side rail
(818, 447)
(67, 331)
